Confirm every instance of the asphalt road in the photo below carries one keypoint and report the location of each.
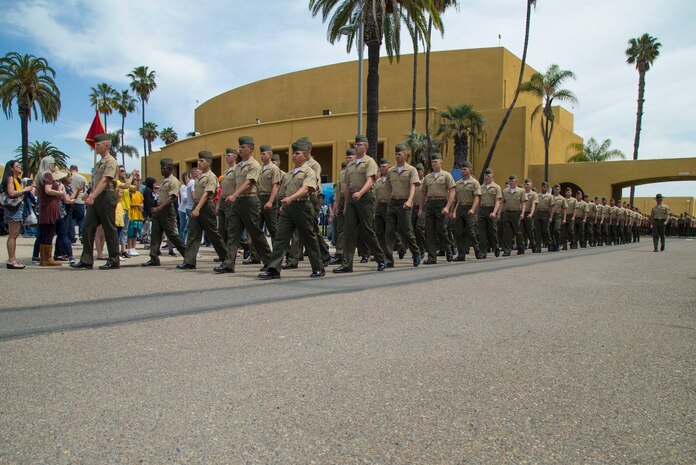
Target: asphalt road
(577, 357)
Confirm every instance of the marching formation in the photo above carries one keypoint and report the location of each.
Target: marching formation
(378, 209)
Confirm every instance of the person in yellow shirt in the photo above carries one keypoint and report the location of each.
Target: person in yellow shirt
(135, 223)
(119, 216)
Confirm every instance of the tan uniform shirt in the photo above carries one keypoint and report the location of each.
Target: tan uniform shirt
(168, 186)
(530, 198)
(295, 179)
(489, 194)
(571, 206)
(559, 203)
(229, 182)
(580, 209)
(206, 182)
(107, 166)
(545, 202)
(251, 169)
(400, 183)
(591, 211)
(620, 214)
(270, 175)
(338, 187)
(513, 199)
(312, 163)
(437, 187)
(358, 171)
(382, 190)
(660, 212)
(467, 190)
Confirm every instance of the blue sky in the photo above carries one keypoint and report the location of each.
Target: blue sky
(200, 49)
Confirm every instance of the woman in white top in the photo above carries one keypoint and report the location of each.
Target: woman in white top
(183, 206)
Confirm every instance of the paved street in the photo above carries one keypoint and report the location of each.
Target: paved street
(583, 356)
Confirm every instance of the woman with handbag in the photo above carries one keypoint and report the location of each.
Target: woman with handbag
(11, 189)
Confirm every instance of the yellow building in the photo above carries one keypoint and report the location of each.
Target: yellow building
(321, 103)
(298, 104)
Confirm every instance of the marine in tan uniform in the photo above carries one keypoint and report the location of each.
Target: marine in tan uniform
(468, 198)
(531, 202)
(403, 182)
(588, 233)
(269, 183)
(513, 212)
(659, 216)
(613, 222)
(437, 197)
(340, 219)
(568, 228)
(542, 218)
(203, 214)
(603, 220)
(418, 222)
(558, 218)
(163, 216)
(360, 207)
(245, 208)
(620, 223)
(382, 193)
(101, 208)
(296, 214)
(580, 217)
(491, 198)
(228, 184)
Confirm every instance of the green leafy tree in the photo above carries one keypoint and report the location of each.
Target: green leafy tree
(382, 20)
(150, 133)
(440, 7)
(417, 30)
(642, 52)
(38, 151)
(547, 87)
(143, 84)
(421, 146)
(117, 148)
(465, 126)
(491, 150)
(168, 135)
(104, 98)
(125, 104)
(28, 81)
(592, 151)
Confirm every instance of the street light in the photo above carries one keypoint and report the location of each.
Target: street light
(358, 27)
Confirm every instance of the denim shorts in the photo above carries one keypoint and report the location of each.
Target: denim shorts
(14, 215)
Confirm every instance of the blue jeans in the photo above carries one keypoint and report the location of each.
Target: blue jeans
(63, 244)
(183, 224)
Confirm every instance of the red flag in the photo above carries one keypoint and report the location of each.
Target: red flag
(96, 128)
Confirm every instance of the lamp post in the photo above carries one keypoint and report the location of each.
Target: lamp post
(358, 27)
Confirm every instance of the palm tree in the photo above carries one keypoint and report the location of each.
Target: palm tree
(592, 151)
(417, 31)
(38, 151)
(463, 124)
(642, 52)
(382, 21)
(104, 98)
(125, 104)
(117, 147)
(149, 133)
(547, 88)
(168, 135)
(440, 6)
(143, 84)
(29, 81)
(491, 150)
(421, 146)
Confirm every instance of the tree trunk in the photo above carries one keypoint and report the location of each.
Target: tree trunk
(144, 140)
(460, 150)
(24, 119)
(546, 132)
(639, 122)
(489, 157)
(105, 130)
(427, 88)
(123, 129)
(373, 47)
(415, 81)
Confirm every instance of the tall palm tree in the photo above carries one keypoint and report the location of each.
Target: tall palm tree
(149, 133)
(463, 124)
(38, 151)
(104, 98)
(642, 52)
(29, 81)
(143, 84)
(417, 29)
(168, 135)
(125, 104)
(491, 150)
(118, 148)
(440, 6)
(592, 151)
(547, 87)
(382, 21)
